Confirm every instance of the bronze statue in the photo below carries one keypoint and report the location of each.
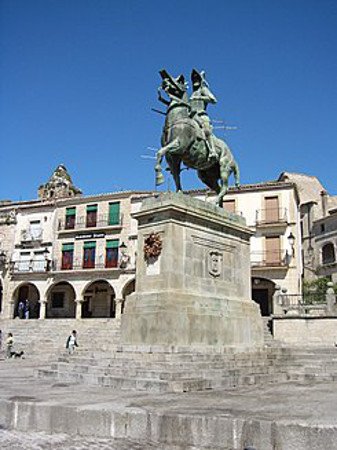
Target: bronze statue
(187, 135)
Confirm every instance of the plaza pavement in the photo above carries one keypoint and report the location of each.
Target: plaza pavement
(288, 416)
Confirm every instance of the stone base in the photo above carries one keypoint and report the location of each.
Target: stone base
(196, 290)
(178, 319)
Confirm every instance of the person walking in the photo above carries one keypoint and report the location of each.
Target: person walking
(9, 345)
(27, 308)
(21, 309)
(72, 342)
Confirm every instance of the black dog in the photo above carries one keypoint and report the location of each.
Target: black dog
(17, 355)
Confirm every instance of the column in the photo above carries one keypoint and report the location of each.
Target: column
(78, 313)
(11, 307)
(43, 308)
(330, 298)
(119, 302)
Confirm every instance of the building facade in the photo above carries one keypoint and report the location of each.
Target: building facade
(74, 256)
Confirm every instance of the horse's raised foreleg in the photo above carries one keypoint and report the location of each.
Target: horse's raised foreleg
(172, 146)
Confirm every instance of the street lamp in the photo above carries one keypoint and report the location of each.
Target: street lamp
(124, 258)
(291, 240)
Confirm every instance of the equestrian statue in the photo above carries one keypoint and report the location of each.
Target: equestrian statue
(187, 135)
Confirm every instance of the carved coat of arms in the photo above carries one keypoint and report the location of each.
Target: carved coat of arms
(214, 263)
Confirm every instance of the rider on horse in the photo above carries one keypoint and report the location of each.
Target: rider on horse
(199, 101)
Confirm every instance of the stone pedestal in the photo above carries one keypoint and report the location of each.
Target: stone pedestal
(197, 291)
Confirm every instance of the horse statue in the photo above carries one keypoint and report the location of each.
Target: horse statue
(187, 136)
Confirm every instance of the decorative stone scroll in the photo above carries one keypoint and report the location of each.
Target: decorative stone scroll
(152, 246)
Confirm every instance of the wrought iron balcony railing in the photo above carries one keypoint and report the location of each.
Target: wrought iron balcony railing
(29, 235)
(82, 222)
(80, 264)
(272, 258)
(30, 266)
(271, 216)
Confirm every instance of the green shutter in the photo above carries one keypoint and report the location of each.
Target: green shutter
(68, 247)
(112, 244)
(114, 213)
(70, 211)
(91, 244)
(91, 208)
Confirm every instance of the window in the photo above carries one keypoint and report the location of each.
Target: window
(322, 227)
(39, 262)
(271, 209)
(91, 216)
(89, 252)
(111, 258)
(328, 254)
(70, 218)
(67, 256)
(57, 300)
(24, 262)
(273, 250)
(114, 213)
(35, 229)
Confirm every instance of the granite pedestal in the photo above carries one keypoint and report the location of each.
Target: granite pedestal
(197, 291)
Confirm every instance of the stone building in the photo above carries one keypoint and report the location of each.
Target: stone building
(74, 256)
(7, 231)
(69, 255)
(324, 237)
(315, 205)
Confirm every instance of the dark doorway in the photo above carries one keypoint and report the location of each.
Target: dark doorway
(261, 296)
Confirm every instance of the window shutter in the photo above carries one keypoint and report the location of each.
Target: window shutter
(91, 244)
(70, 212)
(114, 213)
(67, 247)
(112, 244)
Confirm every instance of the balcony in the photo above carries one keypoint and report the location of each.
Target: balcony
(31, 235)
(101, 222)
(273, 259)
(78, 264)
(272, 219)
(29, 266)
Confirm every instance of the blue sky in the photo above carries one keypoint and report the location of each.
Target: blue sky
(78, 79)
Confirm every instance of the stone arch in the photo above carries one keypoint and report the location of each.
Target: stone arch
(99, 300)
(127, 290)
(23, 293)
(328, 253)
(61, 301)
(262, 293)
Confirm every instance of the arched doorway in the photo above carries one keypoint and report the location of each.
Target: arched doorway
(128, 289)
(29, 295)
(61, 301)
(99, 300)
(262, 293)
